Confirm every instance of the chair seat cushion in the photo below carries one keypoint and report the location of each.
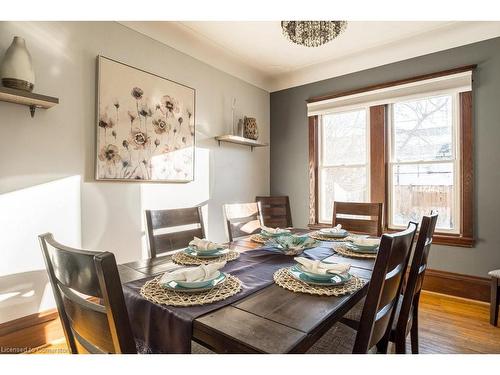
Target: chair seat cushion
(495, 273)
(337, 340)
(340, 338)
(199, 349)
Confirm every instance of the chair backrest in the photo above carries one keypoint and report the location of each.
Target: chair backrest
(371, 223)
(97, 322)
(275, 211)
(417, 271)
(384, 289)
(170, 230)
(242, 219)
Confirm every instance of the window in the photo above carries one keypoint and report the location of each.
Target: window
(343, 160)
(407, 144)
(423, 162)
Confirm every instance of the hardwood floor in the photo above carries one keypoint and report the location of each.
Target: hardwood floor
(447, 325)
(456, 325)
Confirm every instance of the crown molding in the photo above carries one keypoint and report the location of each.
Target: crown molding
(451, 36)
(182, 38)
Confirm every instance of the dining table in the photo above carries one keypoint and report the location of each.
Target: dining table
(269, 319)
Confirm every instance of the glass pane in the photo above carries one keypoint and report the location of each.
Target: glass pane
(419, 188)
(422, 129)
(344, 138)
(347, 184)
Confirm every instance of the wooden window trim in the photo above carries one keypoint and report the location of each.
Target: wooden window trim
(378, 161)
(438, 238)
(384, 85)
(313, 169)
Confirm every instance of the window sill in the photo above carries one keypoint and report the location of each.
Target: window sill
(453, 240)
(437, 239)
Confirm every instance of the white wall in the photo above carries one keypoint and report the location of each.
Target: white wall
(26, 213)
(60, 142)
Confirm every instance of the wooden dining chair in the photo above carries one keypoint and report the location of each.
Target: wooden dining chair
(373, 328)
(167, 230)
(242, 219)
(406, 320)
(370, 223)
(275, 211)
(97, 322)
(406, 314)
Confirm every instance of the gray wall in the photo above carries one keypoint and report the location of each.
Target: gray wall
(289, 147)
(44, 157)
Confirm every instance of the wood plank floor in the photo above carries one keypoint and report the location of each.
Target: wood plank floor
(447, 325)
(456, 325)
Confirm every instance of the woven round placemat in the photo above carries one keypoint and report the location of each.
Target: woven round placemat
(320, 237)
(186, 260)
(283, 278)
(153, 292)
(344, 251)
(258, 238)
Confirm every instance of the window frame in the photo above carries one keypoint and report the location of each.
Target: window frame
(455, 160)
(379, 167)
(321, 145)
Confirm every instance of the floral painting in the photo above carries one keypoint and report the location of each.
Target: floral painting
(145, 126)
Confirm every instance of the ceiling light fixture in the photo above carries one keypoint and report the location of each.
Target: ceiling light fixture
(312, 33)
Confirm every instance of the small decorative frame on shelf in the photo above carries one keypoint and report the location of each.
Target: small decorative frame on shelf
(33, 101)
(240, 141)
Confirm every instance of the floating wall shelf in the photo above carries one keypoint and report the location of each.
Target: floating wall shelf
(33, 101)
(240, 141)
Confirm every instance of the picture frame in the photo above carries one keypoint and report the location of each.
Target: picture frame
(145, 126)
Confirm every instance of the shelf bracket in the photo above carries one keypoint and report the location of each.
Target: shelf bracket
(32, 110)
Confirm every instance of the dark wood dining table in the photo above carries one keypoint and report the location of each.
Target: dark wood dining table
(271, 320)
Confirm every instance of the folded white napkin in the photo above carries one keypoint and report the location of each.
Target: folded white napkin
(200, 273)
(363, 241)
(335, 229)
(274, 230)
(316, 266)
(203, 244)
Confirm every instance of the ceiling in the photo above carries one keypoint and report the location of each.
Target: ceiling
(257, 52)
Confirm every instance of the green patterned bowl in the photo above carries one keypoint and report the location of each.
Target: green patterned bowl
(292, 244)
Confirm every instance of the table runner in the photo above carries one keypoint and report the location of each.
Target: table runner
(168, 329)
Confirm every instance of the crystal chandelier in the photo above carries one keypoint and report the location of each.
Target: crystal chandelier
(312, 33)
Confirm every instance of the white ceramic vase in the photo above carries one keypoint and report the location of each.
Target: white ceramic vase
(16, 70)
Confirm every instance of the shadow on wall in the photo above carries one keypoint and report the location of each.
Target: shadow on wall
(23, 294)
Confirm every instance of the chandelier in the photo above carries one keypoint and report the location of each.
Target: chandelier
(312, 33)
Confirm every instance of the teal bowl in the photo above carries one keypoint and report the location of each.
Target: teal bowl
(314, 276)
(274, 235)
(194, 251)
(339, 234)
(362, 249)
(199, 284)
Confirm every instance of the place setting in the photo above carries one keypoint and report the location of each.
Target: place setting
(268, 233)
(318, 278)
(203, 251)
(189, 286)
(334, 234)
(359, 247)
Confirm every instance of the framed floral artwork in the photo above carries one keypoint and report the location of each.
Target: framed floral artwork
(145, 126)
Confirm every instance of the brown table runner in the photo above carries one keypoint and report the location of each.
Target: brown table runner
(167, 329)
